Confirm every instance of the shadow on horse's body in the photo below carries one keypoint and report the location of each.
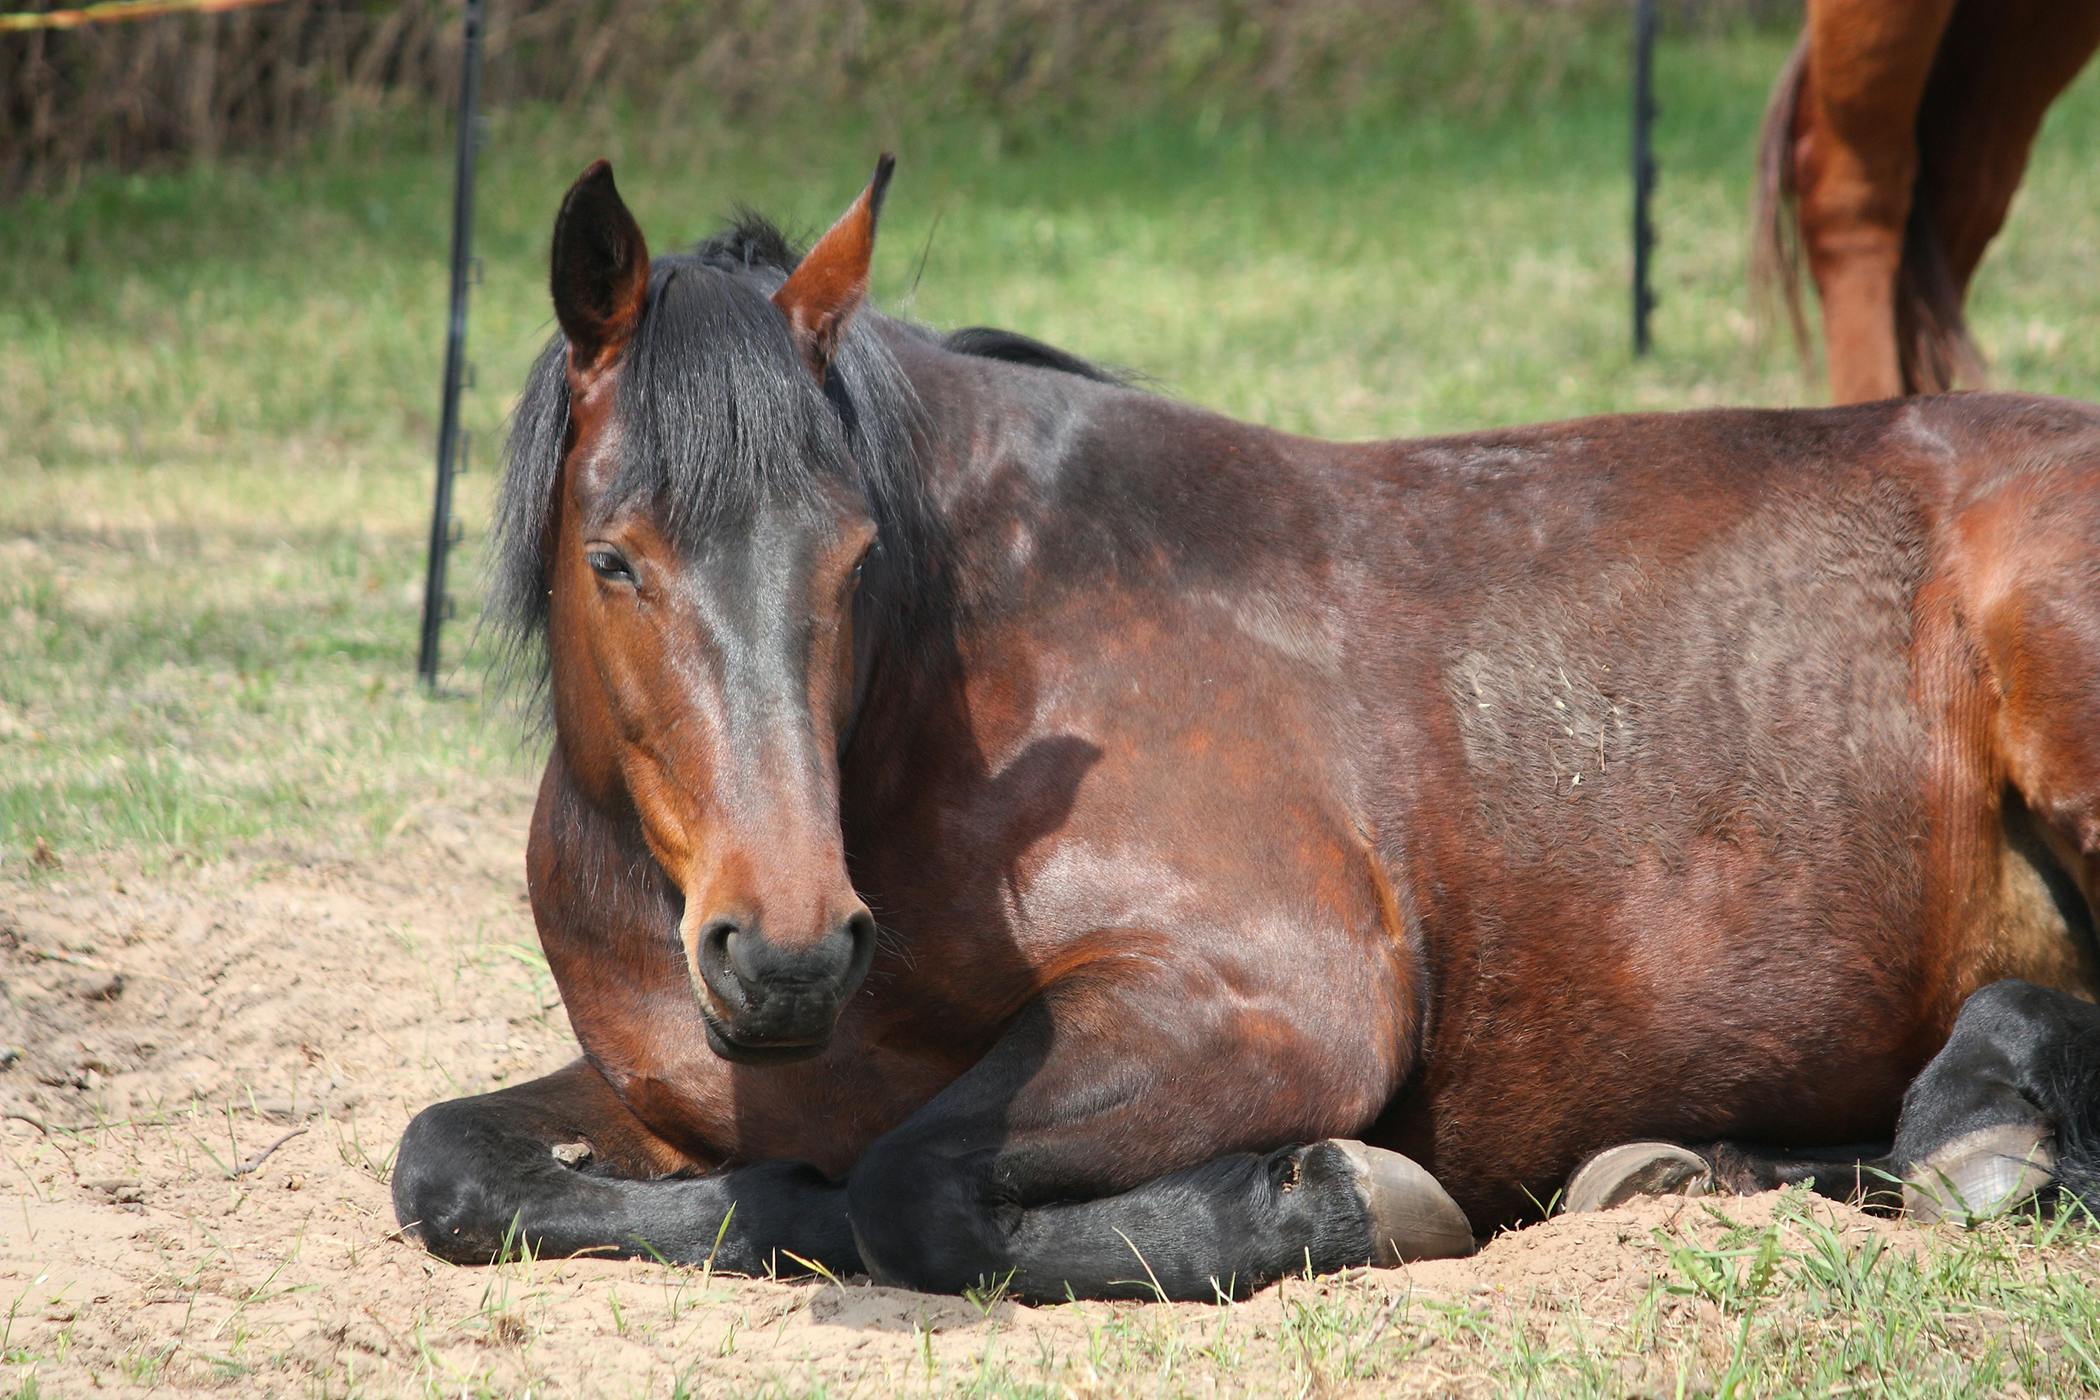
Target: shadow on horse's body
(1895, 141)
(1495, 800)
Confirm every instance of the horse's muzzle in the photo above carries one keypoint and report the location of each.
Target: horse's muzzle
(769, 1003)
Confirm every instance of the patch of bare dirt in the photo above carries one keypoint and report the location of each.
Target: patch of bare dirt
(205, 1069)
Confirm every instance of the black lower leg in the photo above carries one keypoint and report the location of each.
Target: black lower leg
(2018, 1078)
(1865, 1175)
(1221, 1229)
(474, 1180)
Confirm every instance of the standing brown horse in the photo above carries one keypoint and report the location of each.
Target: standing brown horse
(1005, 825)
(1893, 145)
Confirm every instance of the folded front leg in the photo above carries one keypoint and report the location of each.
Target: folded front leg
(559, 1166)
(1147, 1137)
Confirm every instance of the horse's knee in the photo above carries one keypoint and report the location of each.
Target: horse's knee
(440, 1183)
(923, 1219)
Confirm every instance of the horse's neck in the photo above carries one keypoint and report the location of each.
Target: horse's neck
(1018, 453)
(985, 419)
(1001, 440)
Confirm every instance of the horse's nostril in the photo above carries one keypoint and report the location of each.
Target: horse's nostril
(860, 951)
(718, 948)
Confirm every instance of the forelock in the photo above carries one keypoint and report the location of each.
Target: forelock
(718, 418)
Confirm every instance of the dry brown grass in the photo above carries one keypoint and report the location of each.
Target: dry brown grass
(271, 79)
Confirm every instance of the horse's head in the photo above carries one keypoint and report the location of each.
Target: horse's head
(701, 554)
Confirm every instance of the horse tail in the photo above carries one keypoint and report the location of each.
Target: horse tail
(1933, 345)
(1775, 232)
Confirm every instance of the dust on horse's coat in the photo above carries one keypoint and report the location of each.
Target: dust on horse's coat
(1004, 824)
(1895, 140)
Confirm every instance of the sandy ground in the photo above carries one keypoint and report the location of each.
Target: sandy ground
(164, 1030)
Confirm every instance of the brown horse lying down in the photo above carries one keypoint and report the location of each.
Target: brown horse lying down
(1004, 825)
(1894, 143)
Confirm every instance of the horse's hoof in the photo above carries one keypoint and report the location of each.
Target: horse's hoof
(1411, 1216)
(1981, 1176)
(1619, 1174)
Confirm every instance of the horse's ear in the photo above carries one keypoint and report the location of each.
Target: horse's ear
(821, 296)
(601, 270)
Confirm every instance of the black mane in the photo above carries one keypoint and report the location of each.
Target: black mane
(721, 417)
(991, 343)
(750, 242)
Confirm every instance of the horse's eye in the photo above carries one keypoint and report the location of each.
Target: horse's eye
(608, 564)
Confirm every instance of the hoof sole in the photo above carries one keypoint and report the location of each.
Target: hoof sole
(1981, 1176)
(1411, 1216)
(1632, 1169)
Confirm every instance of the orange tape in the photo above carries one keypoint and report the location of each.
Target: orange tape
(117, 12)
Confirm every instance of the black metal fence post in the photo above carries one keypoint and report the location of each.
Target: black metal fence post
(437, 603)
(1643, 168)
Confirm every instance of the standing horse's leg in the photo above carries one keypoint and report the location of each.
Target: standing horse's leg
(559, 1166)
(2001, 64)
(1032, 1168)
(2008, 61)
(1855, 156)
